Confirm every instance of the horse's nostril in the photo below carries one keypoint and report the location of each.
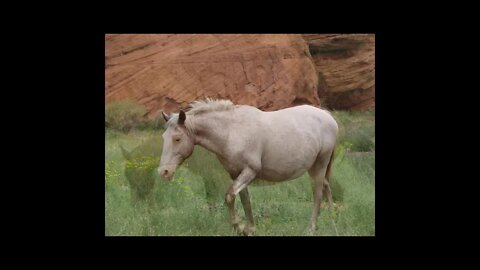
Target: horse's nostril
(165, 171)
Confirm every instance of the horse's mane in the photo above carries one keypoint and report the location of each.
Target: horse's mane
(210, 105)
(202, 106)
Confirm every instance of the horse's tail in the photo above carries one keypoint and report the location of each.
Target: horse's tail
(329, 166)
(326, 186)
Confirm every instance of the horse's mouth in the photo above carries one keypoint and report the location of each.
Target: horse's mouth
(167, 172)
(168, 178)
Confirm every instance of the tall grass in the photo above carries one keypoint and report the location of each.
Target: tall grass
(193, 203)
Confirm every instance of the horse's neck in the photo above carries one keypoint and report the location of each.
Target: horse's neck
(211, 132)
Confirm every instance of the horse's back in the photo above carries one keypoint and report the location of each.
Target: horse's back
(280, 145)
(304, 119)
(293, 139)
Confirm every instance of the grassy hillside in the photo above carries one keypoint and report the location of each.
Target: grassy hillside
(193, 203)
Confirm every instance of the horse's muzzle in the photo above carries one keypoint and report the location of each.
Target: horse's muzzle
(167, 172)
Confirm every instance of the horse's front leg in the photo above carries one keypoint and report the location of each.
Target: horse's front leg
(245, 177)
(234, 219)
(247, 207)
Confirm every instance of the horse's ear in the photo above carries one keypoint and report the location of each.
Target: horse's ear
(125, 153)
(181, 118)
(165, 116)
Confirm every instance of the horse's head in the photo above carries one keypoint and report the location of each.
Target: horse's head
(178, 144)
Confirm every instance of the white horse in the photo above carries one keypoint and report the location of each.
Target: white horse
(252, 144)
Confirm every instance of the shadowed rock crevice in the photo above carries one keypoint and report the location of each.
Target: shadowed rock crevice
(346, 69)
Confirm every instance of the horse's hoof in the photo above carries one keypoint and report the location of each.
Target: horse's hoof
(249, 233)
(311, 231)
(239, 228)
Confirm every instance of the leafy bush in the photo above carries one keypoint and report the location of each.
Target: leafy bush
(124, 115)
(356, 129)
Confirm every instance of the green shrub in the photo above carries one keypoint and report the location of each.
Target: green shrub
(356, 129)
(362, 137)
(124, 115)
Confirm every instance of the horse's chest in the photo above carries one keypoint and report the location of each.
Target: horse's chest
(231, 165)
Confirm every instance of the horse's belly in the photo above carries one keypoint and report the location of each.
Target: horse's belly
(284, 165)
(284, 172)
(275, 176)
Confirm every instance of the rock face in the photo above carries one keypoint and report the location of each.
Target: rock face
(346, 69)
(167, 72)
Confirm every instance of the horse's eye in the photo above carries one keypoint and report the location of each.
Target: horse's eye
(177, 139)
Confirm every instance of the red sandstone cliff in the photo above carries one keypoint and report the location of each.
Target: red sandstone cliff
(167, 72)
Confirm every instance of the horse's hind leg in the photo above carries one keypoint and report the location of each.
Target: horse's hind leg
(328, 192)
(317, 173)
(317, 199)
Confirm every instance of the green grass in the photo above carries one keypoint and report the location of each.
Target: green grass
(193, 203)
